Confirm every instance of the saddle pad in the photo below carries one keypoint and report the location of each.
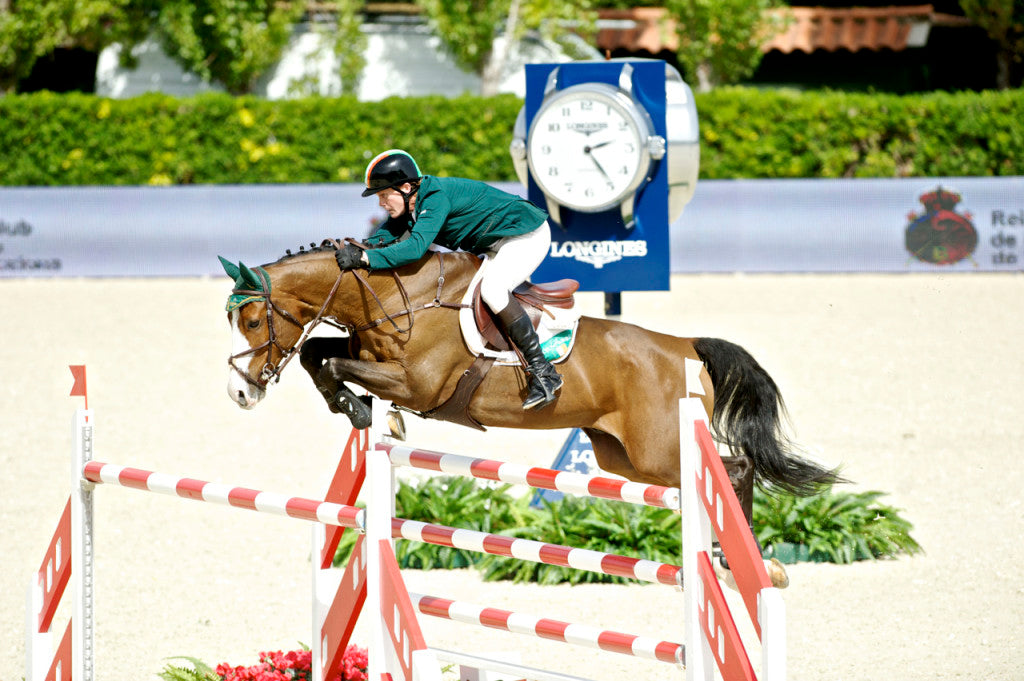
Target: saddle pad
(556, 330)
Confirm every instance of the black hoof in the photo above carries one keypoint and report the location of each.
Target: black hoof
(357, 409)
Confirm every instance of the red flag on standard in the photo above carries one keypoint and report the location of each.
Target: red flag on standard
(79, 389)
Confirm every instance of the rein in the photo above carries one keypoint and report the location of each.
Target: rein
(270, 372)
(409, 310)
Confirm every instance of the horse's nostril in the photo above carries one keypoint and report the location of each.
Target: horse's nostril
(241, 397)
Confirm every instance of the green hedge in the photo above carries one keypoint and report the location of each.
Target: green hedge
(74, 139)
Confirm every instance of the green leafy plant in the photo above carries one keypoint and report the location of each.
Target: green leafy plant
(448, 501)
(592, 524)
(839, 527)
(199, 671)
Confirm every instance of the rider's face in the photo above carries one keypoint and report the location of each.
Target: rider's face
(392, 200)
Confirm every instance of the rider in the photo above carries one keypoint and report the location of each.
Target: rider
(472, 216)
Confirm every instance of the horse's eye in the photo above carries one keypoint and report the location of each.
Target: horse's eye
(253, 324)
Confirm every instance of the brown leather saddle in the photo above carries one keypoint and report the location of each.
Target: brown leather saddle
(535, 299)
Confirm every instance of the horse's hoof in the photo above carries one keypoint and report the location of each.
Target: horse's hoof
(724, 575)
(357, 409)
(777, 573)
(396, 424)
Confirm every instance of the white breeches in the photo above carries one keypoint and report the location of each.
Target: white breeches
(513, 260)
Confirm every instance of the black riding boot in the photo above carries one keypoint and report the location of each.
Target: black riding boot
(544, 380)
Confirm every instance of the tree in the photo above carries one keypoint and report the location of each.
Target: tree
(349, 44)
(232, 42)
(34, 28)
(469, 29)
(720, 40)
(344, 39)
(1003, 20)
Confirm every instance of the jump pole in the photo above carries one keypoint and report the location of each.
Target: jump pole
(380, 476)
(73, 566)
(709, 507)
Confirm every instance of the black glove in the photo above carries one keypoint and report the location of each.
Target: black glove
(349, 257)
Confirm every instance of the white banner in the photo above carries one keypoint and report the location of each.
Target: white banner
(965, 224)
(895, 225)
(169, 231)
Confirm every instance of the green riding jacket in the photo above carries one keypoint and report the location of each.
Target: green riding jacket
(455, 213)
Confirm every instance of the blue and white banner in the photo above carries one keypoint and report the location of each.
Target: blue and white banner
(871, 225)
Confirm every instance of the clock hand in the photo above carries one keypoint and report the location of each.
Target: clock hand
(599, 166)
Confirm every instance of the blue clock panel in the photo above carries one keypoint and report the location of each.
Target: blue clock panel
(598, 249)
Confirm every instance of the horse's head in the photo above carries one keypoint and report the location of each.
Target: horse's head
(264, 332)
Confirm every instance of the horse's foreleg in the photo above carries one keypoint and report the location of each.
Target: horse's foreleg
(384, 379)
(315, 352)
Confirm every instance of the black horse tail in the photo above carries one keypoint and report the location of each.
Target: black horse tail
(748, 418)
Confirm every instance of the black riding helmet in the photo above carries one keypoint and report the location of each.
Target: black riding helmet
(391, 168)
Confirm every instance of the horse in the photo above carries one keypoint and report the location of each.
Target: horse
(621, 386)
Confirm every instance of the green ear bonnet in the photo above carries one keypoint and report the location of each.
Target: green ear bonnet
(249, 286)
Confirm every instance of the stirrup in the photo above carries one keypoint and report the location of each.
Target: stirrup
(546, 393)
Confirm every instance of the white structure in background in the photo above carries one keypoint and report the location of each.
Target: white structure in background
(403, 58)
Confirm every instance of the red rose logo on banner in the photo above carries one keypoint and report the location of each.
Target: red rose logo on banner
(940, 236)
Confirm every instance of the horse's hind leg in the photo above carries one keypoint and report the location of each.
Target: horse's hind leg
(741, 475)
(740, 470)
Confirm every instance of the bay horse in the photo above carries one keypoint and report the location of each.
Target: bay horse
(622, 382)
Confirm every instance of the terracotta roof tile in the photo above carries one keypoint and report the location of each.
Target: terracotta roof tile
(803, 28)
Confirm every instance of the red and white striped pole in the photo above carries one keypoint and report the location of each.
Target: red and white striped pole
(537, 552)
(555, 630)
(238, 497)
(577, 484)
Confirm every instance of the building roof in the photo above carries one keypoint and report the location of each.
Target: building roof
(802, 28)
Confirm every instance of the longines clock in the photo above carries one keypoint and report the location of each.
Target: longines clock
(590, 147)
(610, 149)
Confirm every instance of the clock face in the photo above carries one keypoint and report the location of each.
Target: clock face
(587, 148)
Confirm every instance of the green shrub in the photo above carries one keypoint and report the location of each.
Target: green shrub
(76, 139)
(595, 525)
(839, 527)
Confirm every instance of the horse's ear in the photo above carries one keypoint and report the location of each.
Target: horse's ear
(230, 268)
(250, 277)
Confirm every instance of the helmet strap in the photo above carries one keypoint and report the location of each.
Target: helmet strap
(407, 196)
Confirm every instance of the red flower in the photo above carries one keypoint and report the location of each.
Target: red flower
(295, 665)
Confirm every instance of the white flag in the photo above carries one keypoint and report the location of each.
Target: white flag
(692, 368)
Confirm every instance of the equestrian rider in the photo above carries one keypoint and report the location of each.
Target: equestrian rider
(472, 216)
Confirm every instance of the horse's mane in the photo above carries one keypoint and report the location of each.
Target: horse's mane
(326, 246)
(454, 259)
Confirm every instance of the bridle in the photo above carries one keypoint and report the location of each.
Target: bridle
(271, 372)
